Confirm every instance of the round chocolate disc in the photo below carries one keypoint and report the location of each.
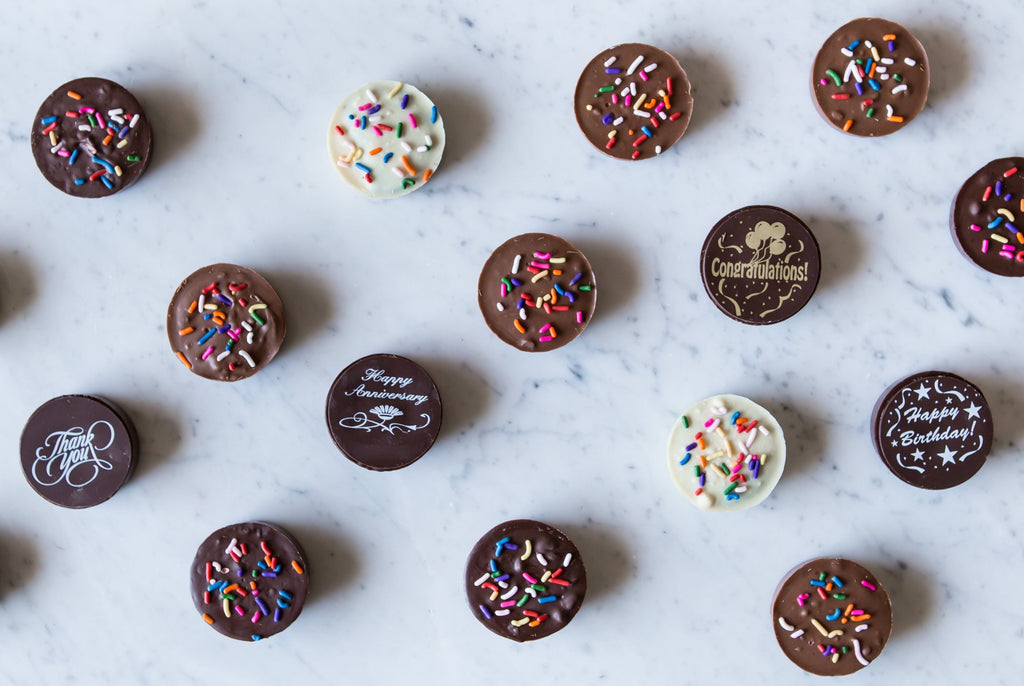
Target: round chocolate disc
(91, 138)
(78, 450)
(384, 412)
(386, 139)
(831, 617)
(933, 429)
(249, 581)
(225, 322)
(633, 101)
(760, 264)
(986, 217)
(537, 292)
(525, 580)
(870, 78)
(726, 453)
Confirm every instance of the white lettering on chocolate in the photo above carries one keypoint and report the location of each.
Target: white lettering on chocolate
(73, 455)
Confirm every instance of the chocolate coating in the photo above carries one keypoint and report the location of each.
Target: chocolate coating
(798, 601)
(561, 311)
(102, 96)
(282, 593)
(384, 412)
(933, 429)
(241, 298)
(78, 450)
(760, 264)
(876, 92)
(598, 114)
(548, 548)
(979, 205)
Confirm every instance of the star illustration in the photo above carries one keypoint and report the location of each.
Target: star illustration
(947, 456)
(922, 391)
(948, 400)
(972, 411)
(917, 455)
(895, 444)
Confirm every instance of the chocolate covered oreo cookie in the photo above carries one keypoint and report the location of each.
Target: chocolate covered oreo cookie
(870, 78)
(831, 617)
(525, 580)
(91, 138)
(987, 217)
(760, 264)
(78, 450)
(633, 101)
(384, 412)
(933, 429)
(249, 581)
(225, 322)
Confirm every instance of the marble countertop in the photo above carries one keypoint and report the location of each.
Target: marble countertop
(239, 95)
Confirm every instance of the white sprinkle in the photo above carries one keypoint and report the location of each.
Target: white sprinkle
(750, 439)
(764, 431)
(516, 263)
(567, 559)
(900, 88)
(522, 313)
(797, 634)
(909, 62)
(212, 308)
(662, 115)
(851, 69)
(880, 70)
(856, 651)
(406, 147)
(247, 326)
(421, 148)
(501, 308)
(231, 546)
(883, 77)
(84, 127)
(511, 592)
(641, 113)
(657, 149)
(501, 613)
(530, 591)
(632, 88)
(248, 339)
(60, 144)
(116, 119)
(542, 560)
(610, 61)
(618, 81)
(135, 120)
(115, 111)
(868, 44)
(400, 173)
(740, 489)
(503, 584)
(482, 579)
(785, 625)
(887, 60)
(216, 566)
(202, 301)
(618, 121)
(636, 63)
(371, 96)
(718, 409)
(429, 140)
(862, 627)
(888, 110)
(848, 53)
(651, 67)
(248, 358)
(223, 355)
(374, 118)
(624, 92)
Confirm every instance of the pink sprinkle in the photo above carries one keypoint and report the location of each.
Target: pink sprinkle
(376, 130)
(545, 328)
(660, 107)
(529, 578)
(508, 603)
(412, 119)
(256, 616)
(209, 351)
(64, 153)
(233, 335)
(975, 227)
(504, 289)
(857, 613)
(545, 339)
(709, 422)
(579, 317)
(984, 245)
(542, 255)
(628, 99)
(615, 98)
(363, 108)
(1006, 254)
(99, 120)
(823, 82)
(85, 110)
(239, 610)
(867, 584)
(643, 76)
(539, 265)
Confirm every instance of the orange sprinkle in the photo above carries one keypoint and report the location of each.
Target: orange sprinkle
(408, 167)
(297, 567)
(206, 618)
(742, 420)
(849, 609)
(535, 623)
(558, 272)
(828, 587)
(184, 360)
(76, 96)
(871, 74)
(252, 585)
(106, 141)
(1022, 204)
(193, 306)
(700, 443)
(554, 296)
(649, 104)
(847, 125)
(186, 331)
(668, 103)
(519, 327)
(427, 174)
(375, 151)
(554, 334)
(895, 119)
(703, 463)
(232, 587)
(889, 36)
(860, 618)
(1020, 237)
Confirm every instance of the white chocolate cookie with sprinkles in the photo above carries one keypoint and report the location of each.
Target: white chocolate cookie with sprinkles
(386, 139)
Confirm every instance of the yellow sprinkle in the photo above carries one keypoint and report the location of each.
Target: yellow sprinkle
(227, 608)
(560, 260)
(520, 622)
(636, 105)
(123, 143)
(53, 138)
(874, 53)
(117, 170)
(529, 549)
(614, 132)
(257, 306)
(998, 237)
(835, 658)
(1006, 213)
(537, 277)
(494, 596)
(547, 575)
(819, 627)
(394, 91)
(836, 632)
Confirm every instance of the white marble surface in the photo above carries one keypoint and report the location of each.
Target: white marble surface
(240, 93)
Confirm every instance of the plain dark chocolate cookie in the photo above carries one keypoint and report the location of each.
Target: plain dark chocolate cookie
(225, 322)
(384, 412)
(91, 138)
(760, 264)
(870, 78)
(984, 219)
(831, 617)
(525, 580)
(249, 581)
(78, 450)
(633, 101)
(933, 429)
(537, 292)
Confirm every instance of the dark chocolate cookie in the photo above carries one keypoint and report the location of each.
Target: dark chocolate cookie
(984, 217)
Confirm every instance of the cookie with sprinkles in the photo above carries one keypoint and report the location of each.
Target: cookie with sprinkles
(249, 581)
(91, 138)
(386, 139)
(537, 292)
(726, 453)
(870, 78)
(831, 617)
(525, 580)
(987, 217)
(633, 101)
(225, 322)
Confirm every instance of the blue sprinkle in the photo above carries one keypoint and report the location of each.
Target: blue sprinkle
(74, 156)
(815, 582)
(515, 282)
(995, 222)
(685, 459)
(485, 611)
(837, 582)
(373, 110)
(867, 67)
(874, 84)
(735, 416)
(852, 45)
(494, 566)
(732, 496)
(206, 336)
(49, 120)
(256, 637)
(387, 156)
(351, 116)
(261, 564)
(647, 132)
(277, 568)
(281, 604)
(362, 167)
(547, 599)
(285, 594)
(106, 165)
(79, 182)
(559, 289)
(433, 115)
(106, 182)
(833, 615)
(607, 119)
(405, 101)
(207, 316)
(362, 122)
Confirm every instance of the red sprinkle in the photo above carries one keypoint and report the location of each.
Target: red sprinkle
(675, 116)
(668, 85)
(339, 130)
(1009, 172)
(50, 128)
(639, 140)
(840, 96)
(97, 174)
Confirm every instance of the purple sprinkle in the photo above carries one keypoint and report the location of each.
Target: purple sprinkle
(570, 297)
(487, 613)
(892, 46)
(512, 546)
(520, 304)
(224, 299)
(405, 100)
(277, 615)
(1011, 227)
(262, 606)
(999, 187)
(240, 574)
(691, 447)
(502, 577)
(612, 70)
(269, 573)
(375, 108)
(575, 279)
(1008, 197)
(607, 119)
(755, 468)
(860, 89)
(515, 282)
(703, 478)
(224, 329)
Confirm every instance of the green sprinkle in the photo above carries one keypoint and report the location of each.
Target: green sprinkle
(133, 158)
(398, 130)
(228, 596)
(897, 78)
(522, 601)
(585, 288)
(722, 468)
(835, 76)
(838, 596)
(732, 487)
(606, 89)
(255, 574)
(686, 422)
(822, 577)
(406, 182)
(538, 587)
(696, 470)
(846, 649)
(91, 120)
(505, 281)
(871, 111)
(257, 318)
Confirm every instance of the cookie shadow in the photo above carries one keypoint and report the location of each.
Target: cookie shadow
(842, 250)
(19, 563)
(159, 434)
(911, 593)
(467, 122)
(308, 304)
(18, 285)
(331, 555)
(949, 60)
(174, 119)
(465, 393)
(711, 84)
(613, 263)
(605, 553)
(805, 432)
